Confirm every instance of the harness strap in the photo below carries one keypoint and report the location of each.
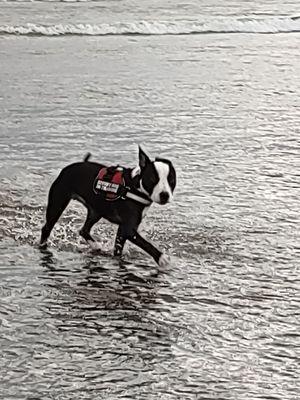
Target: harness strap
(110, 183)
(133, 194)
(138, 198)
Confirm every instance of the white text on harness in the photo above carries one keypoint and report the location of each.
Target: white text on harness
(107, 186)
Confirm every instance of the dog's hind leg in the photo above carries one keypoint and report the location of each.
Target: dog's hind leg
(91, 219)
(57, 201)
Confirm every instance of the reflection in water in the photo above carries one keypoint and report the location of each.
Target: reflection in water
(111, 327)
(127, 342)
(47, 259)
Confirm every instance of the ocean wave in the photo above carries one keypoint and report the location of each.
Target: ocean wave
(213, 25)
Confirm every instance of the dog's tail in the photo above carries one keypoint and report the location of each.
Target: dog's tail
(87, 157)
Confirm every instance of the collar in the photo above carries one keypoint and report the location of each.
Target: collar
(138, 196)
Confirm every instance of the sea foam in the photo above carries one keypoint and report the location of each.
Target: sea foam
(200, 26)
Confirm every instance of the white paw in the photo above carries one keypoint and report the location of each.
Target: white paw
(43, 245)
(164, 261)
(94, 245)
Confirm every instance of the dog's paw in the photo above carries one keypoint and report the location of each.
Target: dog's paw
(95, 246)
(164, 261)
(42, 246)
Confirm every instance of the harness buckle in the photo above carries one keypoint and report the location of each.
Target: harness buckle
(122, 192)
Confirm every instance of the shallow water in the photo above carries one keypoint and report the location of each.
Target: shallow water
(222, 321)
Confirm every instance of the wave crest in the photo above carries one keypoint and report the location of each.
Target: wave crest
(214, 25)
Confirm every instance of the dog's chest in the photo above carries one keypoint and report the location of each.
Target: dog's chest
(115, 216)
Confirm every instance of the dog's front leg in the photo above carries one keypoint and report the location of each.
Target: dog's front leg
(126, 233)
(119, 242)
(161, 259)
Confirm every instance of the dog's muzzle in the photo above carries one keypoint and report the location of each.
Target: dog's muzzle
(164, 197)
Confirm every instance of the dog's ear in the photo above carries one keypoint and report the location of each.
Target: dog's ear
(143, 158)
(162, 160)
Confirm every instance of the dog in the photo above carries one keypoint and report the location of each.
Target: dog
(120, 195)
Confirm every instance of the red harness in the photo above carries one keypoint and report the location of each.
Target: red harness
(108, 182)
(110, 185)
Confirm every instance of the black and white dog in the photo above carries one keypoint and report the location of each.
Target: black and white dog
(122, 199)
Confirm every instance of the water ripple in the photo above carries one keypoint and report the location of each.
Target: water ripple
(222, 322)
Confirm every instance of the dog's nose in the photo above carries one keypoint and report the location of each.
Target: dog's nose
(164, 197)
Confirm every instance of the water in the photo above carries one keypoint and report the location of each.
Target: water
(222, 322)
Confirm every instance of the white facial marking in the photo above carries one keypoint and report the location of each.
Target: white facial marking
(163, 171)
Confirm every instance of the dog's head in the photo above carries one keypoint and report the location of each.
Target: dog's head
(158, 178)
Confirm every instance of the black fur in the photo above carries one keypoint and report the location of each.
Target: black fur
(87, 157)
(76, 182)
